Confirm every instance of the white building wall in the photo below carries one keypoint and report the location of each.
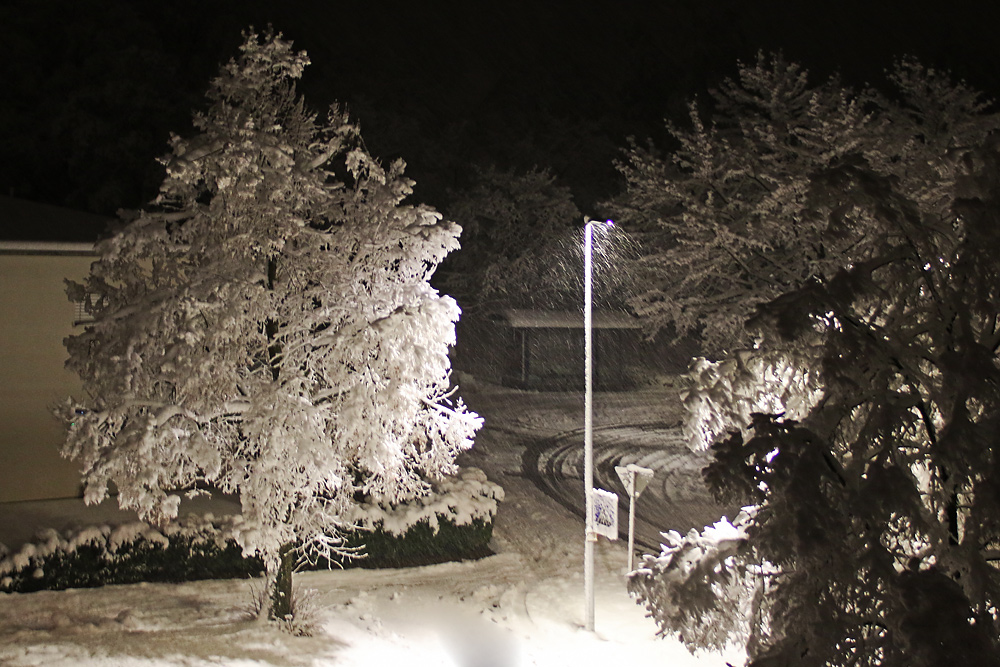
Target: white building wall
(35, 317)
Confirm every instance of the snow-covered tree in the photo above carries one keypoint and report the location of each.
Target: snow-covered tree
(724, 218)
(522, 246)
(517, 227)
(267, 327)
(861, 430)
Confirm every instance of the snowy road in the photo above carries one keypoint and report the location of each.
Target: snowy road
(634, 427)
(676, 497)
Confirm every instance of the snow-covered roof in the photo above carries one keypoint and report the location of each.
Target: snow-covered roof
(564, 319)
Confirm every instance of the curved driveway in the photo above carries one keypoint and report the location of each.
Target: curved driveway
(676, 498)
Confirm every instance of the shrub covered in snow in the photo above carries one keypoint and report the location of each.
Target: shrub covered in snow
(464, 499)
(188, 549)
(695, 584)
(454, 522)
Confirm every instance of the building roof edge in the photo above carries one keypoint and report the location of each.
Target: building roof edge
(46, 248)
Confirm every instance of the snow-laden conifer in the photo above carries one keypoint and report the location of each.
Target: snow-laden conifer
(519, 248)
(725, 218)
(861, 427)
(266, 328)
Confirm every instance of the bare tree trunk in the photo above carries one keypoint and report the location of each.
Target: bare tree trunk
(281, 584)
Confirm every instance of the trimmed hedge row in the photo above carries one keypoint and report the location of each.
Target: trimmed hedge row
(454, 522)
(91, 565)
(420, 545)
(195, 557)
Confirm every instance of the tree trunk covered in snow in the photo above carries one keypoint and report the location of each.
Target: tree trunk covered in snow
(272, 326)
(281, 579)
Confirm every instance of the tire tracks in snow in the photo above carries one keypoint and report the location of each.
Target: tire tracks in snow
(676, 498)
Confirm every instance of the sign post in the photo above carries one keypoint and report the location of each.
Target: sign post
(635, 478)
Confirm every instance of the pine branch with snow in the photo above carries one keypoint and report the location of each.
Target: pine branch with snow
(861, 427)
(696, 587)
(727, 221)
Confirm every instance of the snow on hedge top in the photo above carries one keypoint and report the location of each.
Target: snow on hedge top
(462, 499)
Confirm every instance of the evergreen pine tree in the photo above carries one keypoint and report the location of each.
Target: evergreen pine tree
(861, 431)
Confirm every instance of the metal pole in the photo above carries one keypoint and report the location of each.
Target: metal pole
(634, 478)
(631, 529)
(588, 426)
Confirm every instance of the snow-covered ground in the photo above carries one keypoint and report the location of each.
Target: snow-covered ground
(522, 606)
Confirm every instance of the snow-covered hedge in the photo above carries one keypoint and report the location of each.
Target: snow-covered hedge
(192, 548)
(454, 522)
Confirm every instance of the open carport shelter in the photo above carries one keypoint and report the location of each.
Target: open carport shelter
(544, 349)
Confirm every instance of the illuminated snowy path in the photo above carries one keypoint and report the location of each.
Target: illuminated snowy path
(543, 440)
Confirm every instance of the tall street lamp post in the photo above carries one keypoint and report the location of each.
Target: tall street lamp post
(590, 535)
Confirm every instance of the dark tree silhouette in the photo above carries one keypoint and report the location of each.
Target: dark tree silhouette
(861, 431)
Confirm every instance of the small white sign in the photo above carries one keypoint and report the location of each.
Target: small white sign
(605, 513)
(634, 478)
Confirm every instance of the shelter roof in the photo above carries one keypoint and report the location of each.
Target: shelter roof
(564, 319)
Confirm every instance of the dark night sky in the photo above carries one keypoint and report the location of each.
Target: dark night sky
(92, 87)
